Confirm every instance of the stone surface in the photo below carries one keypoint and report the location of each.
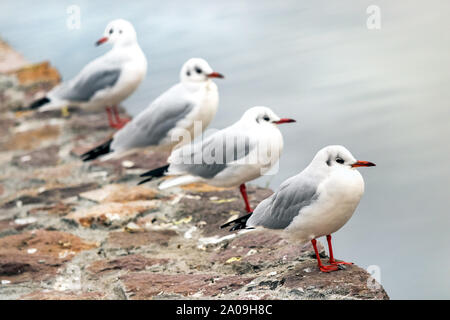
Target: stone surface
(75, 230)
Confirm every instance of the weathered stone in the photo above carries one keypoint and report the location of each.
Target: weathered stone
(216, 207)
(30, 139)
(9, 58)
(33, 256)
(48, 195)
(202, 285)
(63, 295)
(351, 282)
(129, 240)
(39, 158)
(112, 213)
(59, 208)
(133, 262)
(120, 193)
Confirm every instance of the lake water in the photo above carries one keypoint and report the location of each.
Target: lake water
(384, 94)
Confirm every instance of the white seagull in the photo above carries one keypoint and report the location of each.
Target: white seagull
(230, 157)
(171, 118)
(105, 81)
(316, 202)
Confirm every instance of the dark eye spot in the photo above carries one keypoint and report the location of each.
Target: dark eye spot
(120, 31)
(111, 31)
(339, 160)
(266, 118)
(198, 70)
(188, 73)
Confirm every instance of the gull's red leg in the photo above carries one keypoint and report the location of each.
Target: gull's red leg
(243, 190)
(319, 262)
(330, 249)
(110, 118)
(119, 121)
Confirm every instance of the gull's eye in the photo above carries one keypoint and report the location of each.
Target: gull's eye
(339, 160)
(198, 70)
(120, 31)
(266, 118)
(111, 31)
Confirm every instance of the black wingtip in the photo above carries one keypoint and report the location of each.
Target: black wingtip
(39, 103)
(237, 224)
(98, 151)
(144, 181)
(155, 173)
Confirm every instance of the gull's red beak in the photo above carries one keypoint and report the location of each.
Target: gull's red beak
(284, 120)
(363, 164)
(100, 41)
(215, 75)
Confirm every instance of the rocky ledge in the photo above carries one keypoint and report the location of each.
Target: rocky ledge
(74, 230)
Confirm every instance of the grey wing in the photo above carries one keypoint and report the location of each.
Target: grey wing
(85, 86)
(278, 211)
(209, 157)
(152, 125)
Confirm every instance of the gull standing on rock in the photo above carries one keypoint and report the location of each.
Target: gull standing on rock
(230, 157)
(317, 202)
(105, 81)
(171, 116)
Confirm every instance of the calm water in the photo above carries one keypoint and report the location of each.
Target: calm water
(384, 94)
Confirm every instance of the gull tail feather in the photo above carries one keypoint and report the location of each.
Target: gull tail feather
(237, 224)
(98, 151)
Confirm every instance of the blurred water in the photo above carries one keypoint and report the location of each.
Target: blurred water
(382, 93)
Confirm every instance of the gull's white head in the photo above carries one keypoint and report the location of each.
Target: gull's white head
(263, 116)
(119, 33)
(197, 70)
(338, 157)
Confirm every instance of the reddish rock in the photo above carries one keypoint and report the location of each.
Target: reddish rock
(351, 282)
(203, 285)
(120, 193)
(33, 256)
(63, 295)
(39, 158)
(130, 240)
(49, 195)
(31, 139)
(215, 207)
(59, 208)
(260, 248)
(133, 262)
(112, 213)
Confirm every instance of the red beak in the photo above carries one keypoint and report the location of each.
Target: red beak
(363, 164)
(215, 75)
(100, 41)
(284, 120)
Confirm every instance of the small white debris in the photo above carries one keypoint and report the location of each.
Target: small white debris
(213, 240)
(127, 164)
(251, 252)
(32, 250)
(192, 197)
(273, 273)
(23, 221)
(41, 189)
(19, 204)
(308, 270)
(6, 282)
(214, 198)
(25, 158)
(188, 234)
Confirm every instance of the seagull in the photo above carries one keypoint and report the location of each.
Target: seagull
(316, 202)
(230, 157)
(171, 118)
(105, 81)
